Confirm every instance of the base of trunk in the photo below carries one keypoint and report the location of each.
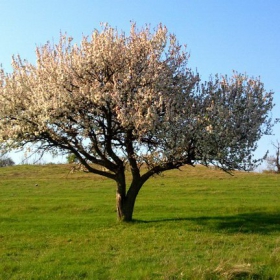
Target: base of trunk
(124, 209)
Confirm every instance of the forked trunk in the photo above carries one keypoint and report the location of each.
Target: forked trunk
(125, 203)
(125, 207)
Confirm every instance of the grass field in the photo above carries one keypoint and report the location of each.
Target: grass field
(190, 224)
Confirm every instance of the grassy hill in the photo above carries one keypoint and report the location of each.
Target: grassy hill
(191, 224)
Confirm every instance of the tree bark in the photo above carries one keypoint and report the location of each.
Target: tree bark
(125, 207)
(125, 202)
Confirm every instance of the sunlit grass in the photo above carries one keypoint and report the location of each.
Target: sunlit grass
(189, 224)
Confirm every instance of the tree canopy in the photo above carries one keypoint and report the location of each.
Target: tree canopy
(116, 100)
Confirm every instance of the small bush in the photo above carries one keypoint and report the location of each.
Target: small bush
(7, 161)
(71, 158)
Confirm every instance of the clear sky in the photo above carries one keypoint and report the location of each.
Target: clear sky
(221, 35)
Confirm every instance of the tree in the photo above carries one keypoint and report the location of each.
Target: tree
(273, 161)
(71, 158)
(118, 101)
(5, 160)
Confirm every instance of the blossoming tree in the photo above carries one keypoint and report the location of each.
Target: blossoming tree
(118, 101)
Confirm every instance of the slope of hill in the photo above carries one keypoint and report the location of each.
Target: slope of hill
(190, 224)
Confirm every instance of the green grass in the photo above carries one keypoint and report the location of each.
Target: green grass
(189, 224)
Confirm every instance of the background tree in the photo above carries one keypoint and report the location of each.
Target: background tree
(5, 160)
(71, 158)
(117, 101)
(273, 161)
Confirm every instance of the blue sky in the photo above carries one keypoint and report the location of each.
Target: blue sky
(221, 35)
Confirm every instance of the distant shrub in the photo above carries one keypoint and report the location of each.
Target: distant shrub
(6, 161)
(71, 158)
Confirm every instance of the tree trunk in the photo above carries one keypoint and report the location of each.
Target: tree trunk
(125, 207)
(125, 203)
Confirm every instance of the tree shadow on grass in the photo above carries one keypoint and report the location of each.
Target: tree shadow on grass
(257, 222)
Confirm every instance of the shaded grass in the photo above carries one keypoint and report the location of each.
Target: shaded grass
(194, 224)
